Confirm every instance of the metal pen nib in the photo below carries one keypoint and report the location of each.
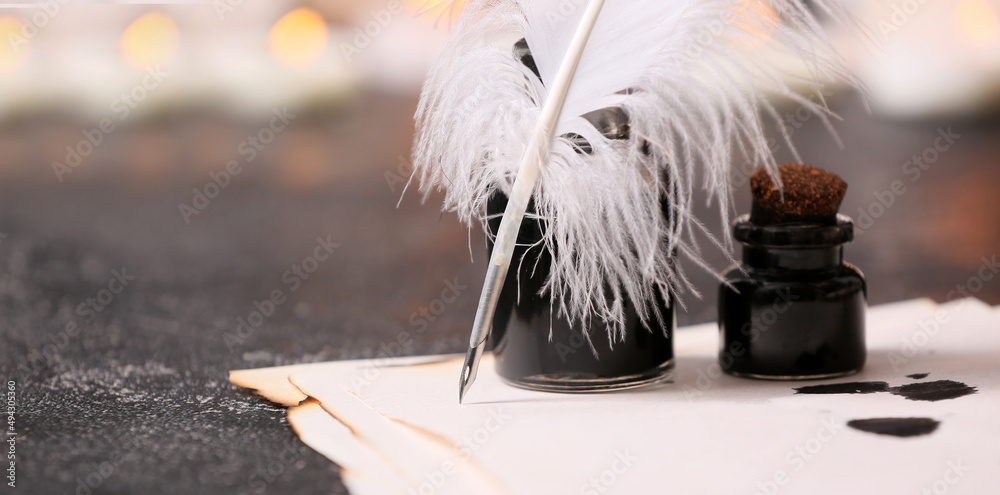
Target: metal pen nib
(482, 325)
(470, 370)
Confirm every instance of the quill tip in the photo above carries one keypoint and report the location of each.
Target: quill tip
(470, 369)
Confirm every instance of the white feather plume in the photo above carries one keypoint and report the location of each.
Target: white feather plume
(687, 74)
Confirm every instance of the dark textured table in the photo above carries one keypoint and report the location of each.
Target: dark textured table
(121, 382)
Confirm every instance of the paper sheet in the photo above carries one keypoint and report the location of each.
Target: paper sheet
(397, 428)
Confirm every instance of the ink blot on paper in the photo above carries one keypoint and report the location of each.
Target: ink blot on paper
(924, 391)
(897, 427)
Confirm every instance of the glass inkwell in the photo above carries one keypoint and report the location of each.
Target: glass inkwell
(534, 347)
(793, 309)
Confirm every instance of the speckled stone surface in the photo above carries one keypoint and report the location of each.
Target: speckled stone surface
(142, 384)
(137, 400)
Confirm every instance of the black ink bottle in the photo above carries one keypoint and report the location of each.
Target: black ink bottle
(539, 350)
(793, 309)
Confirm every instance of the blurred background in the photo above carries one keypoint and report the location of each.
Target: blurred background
(208, 149)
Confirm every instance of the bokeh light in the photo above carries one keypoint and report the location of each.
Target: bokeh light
(299, 38)
(756, 20)
(976, 22)
(15, 51)
(150, 40)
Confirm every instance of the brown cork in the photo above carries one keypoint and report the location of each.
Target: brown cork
(811, 194)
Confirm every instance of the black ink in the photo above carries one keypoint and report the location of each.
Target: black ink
(537, 348)
(792, 309)
(845, 388)
(897, 427)
(934, 391)
(918, 376)
(925, 391)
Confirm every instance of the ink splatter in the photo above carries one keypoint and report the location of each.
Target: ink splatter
(845, 388)
(934, 391)
(897, 427)
(918, 376)
(926, 391)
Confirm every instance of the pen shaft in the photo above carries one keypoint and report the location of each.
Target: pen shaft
(520, 194)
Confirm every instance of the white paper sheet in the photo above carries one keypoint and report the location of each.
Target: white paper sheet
(399, 428)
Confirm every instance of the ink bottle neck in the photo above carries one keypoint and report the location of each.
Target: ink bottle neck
(806, 247)
(771, 258)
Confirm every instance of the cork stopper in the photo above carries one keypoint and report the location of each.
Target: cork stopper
(811, 195)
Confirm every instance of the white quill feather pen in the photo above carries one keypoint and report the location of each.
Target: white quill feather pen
(685, 73)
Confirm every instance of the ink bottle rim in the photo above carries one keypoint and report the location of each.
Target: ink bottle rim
(794, 247)
(794, 235)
